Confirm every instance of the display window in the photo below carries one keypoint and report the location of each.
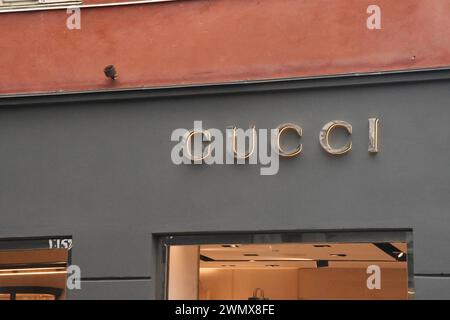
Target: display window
(34, 269)
(291, 267)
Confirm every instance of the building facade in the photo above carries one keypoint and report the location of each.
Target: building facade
(89, 159)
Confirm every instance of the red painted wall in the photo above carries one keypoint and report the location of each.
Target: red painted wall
(214, 41)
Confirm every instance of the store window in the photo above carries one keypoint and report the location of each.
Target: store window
(34, 269)
(359, 265)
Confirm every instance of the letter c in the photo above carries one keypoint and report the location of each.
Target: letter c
(187, 145)
(325, 134)
(280, 131)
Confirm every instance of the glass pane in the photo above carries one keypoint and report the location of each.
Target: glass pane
(4, 296)
(33, 296)
(289, 271)
(34, 274)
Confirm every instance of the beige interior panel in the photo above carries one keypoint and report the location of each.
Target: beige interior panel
(183, 273)
(331, 283)
(290, 271)
(35, 256)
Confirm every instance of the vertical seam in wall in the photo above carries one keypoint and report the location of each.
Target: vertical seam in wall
(198, 272)
(232, 284)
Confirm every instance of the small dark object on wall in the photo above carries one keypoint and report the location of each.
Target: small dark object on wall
(110, 72)
(322, 263)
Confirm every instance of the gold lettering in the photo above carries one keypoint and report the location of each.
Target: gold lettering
(283, 129)
(188, 141)
(252, 144)
(373, 135)
(325, 134)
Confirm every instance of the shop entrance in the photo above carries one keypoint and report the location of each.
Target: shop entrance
(289, 266)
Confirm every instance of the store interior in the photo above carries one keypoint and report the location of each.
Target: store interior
(288, 271)
(33, 274)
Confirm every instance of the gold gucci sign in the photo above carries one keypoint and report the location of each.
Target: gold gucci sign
(277, 136)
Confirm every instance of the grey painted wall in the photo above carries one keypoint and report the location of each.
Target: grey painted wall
(101, 172)
(113, 290)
